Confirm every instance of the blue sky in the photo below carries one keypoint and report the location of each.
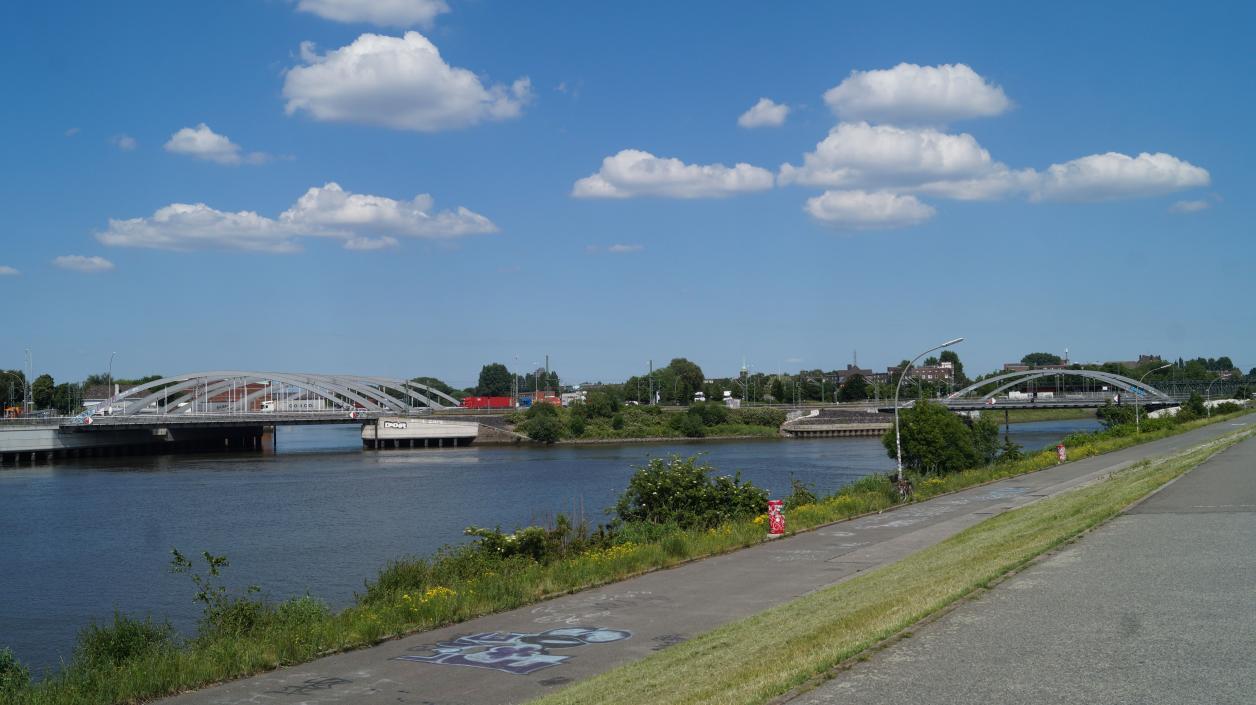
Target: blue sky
(1029, 178)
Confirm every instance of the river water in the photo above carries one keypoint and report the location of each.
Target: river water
(81, 538)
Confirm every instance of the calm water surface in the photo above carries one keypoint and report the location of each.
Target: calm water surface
(79, 539)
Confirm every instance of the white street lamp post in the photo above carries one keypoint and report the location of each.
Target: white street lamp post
(1139, 392)
(898, 443)
(1208, 394)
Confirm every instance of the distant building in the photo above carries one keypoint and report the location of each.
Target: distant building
(942, 372)
(1142, 360)
(852, 370)
(1021, 367)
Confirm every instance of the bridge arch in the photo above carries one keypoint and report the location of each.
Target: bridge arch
(1011, 379)
(376, 394)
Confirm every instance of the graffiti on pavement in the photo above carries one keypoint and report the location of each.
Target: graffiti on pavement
(516, 653)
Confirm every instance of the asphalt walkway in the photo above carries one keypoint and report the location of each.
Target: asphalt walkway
(514, 656)
(1157, 606)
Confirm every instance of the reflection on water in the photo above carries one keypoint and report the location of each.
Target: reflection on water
(81, 538)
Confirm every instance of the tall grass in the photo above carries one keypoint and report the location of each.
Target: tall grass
(456, 584)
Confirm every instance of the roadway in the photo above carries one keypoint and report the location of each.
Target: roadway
(1156, 606)
(632, 619)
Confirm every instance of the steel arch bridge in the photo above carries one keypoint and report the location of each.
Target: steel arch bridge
(1142, 392)
(245, 392)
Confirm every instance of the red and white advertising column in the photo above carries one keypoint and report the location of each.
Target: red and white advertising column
(776, 517)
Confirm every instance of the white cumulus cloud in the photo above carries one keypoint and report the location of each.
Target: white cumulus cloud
(125, 143)
(7, 271)
(385, 13)
(909, 93)
(333, 209)
(633, 172)
(1190, 206)
(864, 210)
(195, 226)
(1101, 177)
(367, 244)
(397, 82)
(861, 155)
(765, 113)
(202, 142)
(81, 263)
(361, 222)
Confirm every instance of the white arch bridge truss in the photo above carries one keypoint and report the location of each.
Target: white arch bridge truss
(243, 393)
(1141, 391)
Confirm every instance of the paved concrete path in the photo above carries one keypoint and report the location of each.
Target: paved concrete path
(517, 655)
(1158, 606)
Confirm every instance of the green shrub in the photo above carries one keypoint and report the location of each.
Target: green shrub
(760, 416)
(712, 413)
(533, 542)
(301, 611)
(689, 424)
(222, 613)
(112, 645)
(13, 675)
(680, 491)
(1195, 405)
(576, 425)
(1111, 415)
(617, 422)
(800, 494)
(543, 423)
(935, 440)
(1227, 408)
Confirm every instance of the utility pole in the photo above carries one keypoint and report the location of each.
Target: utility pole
(28, 395)
(651, 399)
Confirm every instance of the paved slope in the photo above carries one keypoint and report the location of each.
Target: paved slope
(1158, 606)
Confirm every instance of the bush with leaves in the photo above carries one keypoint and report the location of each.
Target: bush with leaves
(1228, 407)
(712, 413)
(1009, 452)
(759, 416)
(800, 494)
(542, 423)
(223, 613)
(689, 424)
(1111, 415)
(13, 675)
(112, 645)
(934, 439)
(682, 492)
(617, 422)
(534, 542)
(1195, 405)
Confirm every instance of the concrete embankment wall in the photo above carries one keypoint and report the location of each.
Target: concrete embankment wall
(41, 443)
(401, 432)
(832, 423)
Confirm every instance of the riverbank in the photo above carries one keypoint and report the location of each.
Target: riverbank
(1031, 415)
(418, 595)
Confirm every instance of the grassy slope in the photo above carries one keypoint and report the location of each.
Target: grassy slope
(756, 659)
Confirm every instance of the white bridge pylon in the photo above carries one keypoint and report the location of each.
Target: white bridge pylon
(240, 392)
(1141, 390)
